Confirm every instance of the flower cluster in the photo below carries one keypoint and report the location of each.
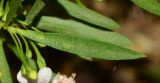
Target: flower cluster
(45, 76)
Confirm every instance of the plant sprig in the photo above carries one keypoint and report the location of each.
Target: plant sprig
(67, 35)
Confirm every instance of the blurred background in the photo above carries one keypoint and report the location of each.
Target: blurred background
(140, 26)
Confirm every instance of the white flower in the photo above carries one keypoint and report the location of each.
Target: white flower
(44, 75)
(21, 78)
(59, 78)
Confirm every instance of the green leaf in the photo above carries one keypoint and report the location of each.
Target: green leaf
(14, 5)
(88, 15)
(4, 68)
(153, 6)
(1, 7)
(6, 11)
(38, 5)
(72, 27)
(80, 46)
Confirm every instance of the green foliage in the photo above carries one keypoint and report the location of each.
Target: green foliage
(71, 27)
(88, 15)
(72, 36)
(14, 6)
(4, 68)
(80, 45)
(1, 8)
(153, 6)
(39, 4)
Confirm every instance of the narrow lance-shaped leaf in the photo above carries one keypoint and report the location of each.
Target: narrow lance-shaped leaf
(38, 5)
(72, 27)
(153, 6)
(80, 46)
(4, 68)
(6, 11)
(1, 7)
(14, 5)
(88, 15)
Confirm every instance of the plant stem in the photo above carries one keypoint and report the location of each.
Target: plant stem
(40, 60)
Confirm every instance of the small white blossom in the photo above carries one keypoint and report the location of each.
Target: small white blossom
(21, 78)
(63, 79)
(44, 75)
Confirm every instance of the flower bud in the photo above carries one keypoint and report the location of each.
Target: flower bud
(23, 70)
(32, 75)
(21, 78)
(44, 75)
